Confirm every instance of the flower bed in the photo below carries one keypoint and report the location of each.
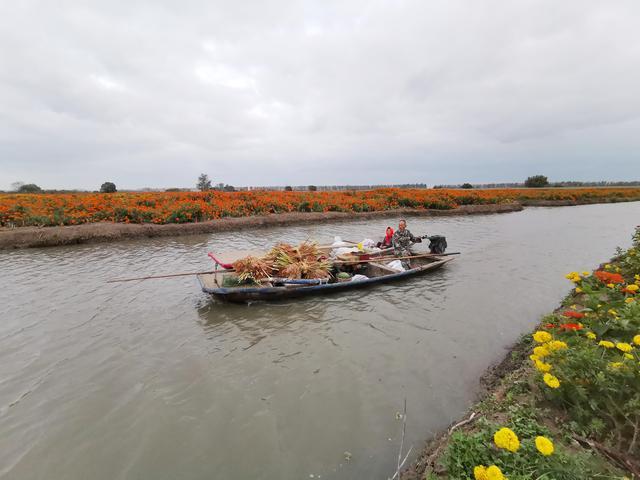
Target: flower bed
(185, 207)
(579, 387)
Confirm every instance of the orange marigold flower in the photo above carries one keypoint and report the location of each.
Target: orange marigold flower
(608, 277)
(571, 326)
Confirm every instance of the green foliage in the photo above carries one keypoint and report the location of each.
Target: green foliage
(108, 187)
(192, 213)
(29, 188)
(437, 205)
(629, 261)
(132, 215)
(600, 386)
(312, 188)
(204, 183)
(536, 181)
(599, 392)
(304, 206)
(231, 281)
(466, 186)
(467, 450)
(469, 200)
(408, 202)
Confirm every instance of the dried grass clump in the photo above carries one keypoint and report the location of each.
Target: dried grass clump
(252, 269)
(303, 261)
(286, 261)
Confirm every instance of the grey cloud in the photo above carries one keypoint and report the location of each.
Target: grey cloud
(273, 92)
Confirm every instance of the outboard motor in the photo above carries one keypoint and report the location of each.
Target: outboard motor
(437, 244)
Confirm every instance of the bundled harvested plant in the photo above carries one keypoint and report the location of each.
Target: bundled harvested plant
(285, 261)
(252, 269)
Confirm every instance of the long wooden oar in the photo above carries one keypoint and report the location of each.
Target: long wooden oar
(166, 276)
(222, 270)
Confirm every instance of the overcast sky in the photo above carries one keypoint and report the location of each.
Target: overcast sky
(275, 92)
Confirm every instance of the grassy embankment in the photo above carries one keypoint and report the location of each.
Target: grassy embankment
(20, 210)
(566, 403)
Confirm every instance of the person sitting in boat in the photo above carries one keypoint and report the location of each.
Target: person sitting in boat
(388, 239)
(403, 239)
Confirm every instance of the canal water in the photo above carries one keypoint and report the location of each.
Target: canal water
(153, 379)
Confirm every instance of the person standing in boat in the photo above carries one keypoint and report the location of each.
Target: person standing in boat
(403, 239)
(387, 242)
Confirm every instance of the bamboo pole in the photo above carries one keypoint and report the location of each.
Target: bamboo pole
(166, 276)
(223, 270)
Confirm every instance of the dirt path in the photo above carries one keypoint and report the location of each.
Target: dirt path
(31, 237)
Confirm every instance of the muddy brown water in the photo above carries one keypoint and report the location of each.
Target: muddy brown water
(153, 379)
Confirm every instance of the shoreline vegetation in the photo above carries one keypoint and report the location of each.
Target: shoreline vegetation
(565, 403)
(41, 220)
(35, 237)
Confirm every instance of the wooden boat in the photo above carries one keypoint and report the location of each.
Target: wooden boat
(375, 270)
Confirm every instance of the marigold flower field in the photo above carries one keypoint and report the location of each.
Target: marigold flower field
(582, 387)
(183, 207)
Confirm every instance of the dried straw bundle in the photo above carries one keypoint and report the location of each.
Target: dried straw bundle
(303, 261)
(252, 269)
(284, 260)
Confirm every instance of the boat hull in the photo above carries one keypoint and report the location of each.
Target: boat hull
(250, 294)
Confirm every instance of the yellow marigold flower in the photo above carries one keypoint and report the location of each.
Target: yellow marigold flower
(557, 345)
(617, 269)
(494, 473)
(633, 287)
(551, 381)
(636, 340)
(607, 267)
(636, 276)
(507, 439)
(613, 312)
(591, 335)
(542, 337)
(610, 285)
(624, 347)
(578, 290)
(573, 307)
(480, 472)
(628, 356)
(541, 351)
(586, 274)
(534, 357)
(542, 367)
(606, 344)
(629, 300)
(615, 365)
(544, 446)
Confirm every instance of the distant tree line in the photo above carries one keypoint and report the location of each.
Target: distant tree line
(204, 183)
(537, 181)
